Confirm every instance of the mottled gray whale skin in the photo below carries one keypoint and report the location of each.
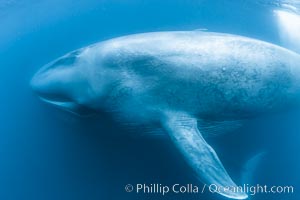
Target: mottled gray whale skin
(179, 80)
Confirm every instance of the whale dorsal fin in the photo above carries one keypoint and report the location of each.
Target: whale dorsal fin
(200, 156)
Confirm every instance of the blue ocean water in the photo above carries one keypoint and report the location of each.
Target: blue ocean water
(48, 154)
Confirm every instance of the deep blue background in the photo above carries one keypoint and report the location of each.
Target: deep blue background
(47, 154)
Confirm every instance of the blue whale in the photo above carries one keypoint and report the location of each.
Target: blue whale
(180, 82)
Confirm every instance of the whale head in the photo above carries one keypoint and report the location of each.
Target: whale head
(67, 82)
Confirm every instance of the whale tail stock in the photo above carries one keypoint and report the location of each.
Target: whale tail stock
(200, 156)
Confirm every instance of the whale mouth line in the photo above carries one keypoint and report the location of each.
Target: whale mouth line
(56, 102)
(65, 105)
(69, 106)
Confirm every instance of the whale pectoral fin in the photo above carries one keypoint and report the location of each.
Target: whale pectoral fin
(200, 155)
